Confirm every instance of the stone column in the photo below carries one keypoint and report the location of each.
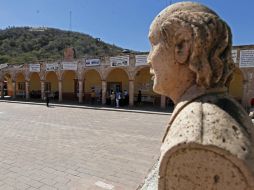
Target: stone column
(80, 95)
(2, 89)
(27, 90)
(131, 92)
(163, 102)
(104, 91)
(60, 91)
(42, 90)
(246, 98)
(14, 89)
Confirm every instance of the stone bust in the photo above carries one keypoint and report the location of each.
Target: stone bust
(209, 140)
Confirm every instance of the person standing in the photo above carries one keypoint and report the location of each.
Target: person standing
(118, 97)
(139, 97)
(112, 98)
(47, 99)
(93, 96)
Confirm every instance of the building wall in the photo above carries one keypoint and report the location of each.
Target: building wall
(236, 85)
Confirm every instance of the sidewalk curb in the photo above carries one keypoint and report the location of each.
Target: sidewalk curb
(88, 107)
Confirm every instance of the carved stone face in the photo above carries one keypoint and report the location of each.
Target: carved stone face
(168, 59)
(162, 62)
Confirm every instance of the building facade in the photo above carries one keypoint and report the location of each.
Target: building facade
(77, 80)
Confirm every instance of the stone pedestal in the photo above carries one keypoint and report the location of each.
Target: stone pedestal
(207, 148)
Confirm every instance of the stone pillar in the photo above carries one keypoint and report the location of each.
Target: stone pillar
(104, 91)
(163, 102)
(42, 90)
(80, 95)
(27, 90)
(245, 98)
(2, 89)
(14, 89)
(60, 91)
(131, 92)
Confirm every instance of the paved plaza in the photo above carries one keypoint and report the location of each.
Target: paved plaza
(76, 149)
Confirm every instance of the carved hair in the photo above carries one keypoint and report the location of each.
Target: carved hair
(210, 54)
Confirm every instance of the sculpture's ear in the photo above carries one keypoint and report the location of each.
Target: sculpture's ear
(182, 45)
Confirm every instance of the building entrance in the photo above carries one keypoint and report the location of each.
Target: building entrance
(114, 86)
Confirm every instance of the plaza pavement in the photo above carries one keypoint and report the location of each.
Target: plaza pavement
(70, 148)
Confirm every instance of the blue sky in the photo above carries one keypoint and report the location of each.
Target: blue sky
(124, 23)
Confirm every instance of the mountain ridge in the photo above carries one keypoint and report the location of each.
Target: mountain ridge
(20, 45)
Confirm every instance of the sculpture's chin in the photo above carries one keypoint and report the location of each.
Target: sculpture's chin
(157, 88)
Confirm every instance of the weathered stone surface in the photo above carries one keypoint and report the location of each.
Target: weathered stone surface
(209, 141)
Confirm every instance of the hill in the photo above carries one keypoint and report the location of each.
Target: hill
(25, 44)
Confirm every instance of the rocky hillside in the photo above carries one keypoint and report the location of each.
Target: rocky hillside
(25, 44)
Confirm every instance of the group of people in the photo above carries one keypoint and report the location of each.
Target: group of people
(118, 98)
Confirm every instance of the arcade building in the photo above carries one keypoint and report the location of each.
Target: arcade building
(81, 79)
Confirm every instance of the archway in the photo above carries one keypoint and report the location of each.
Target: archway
(236, 85)
(117, 81)
(92, 86)
(35, 86)
(51, 85)
(144, 84)
(70, 85)
(20, 86)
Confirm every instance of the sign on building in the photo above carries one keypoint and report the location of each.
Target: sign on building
(234, 55)
(119, 61)
(141, 60)
(93, 62)
(34, 67)
(72, 66)
(52, 66)
(246, 58)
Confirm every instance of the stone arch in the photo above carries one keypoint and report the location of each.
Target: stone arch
(35, 85)
(69, 85)
(117, 79)
(93, 69)
(107, 73)
(92, 82)
(20, 84)
(143, 83)
(51, 82)
(236, 87)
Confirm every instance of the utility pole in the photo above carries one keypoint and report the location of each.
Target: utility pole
(70, 23)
